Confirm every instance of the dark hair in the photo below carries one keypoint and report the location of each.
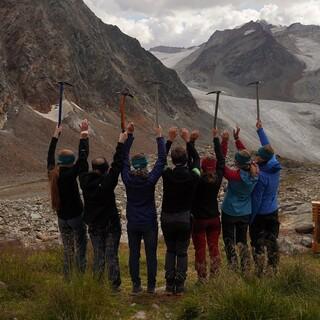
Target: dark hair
(100, 164)
(179, 156)
(143, 173)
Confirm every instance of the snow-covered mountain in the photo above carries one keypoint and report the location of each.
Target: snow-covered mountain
(286, 59)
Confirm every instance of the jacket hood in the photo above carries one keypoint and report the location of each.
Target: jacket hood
(272, 166)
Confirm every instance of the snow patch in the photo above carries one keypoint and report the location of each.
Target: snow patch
(249, 32)
(171, 59)
(68, 108)
(3, 120)
(289, 126)
(309, 53)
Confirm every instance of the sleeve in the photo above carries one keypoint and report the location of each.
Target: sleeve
(240, 145)
(81, 166)
(125, 173)
(263, 137)
(194, 164)
(257, 196)
(157, 170)
(51, 154)
(117, 164)
(224, 147)
(220, 158)
(233, 175)
(168, 146)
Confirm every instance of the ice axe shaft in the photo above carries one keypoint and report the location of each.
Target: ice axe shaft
(124, 94)
(156, 85)
(257, 83)
(62, 84)
(215, 119)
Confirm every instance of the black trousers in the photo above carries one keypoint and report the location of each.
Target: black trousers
(234, 233)
(264, 232)
(149, 235)
(105, 242)
(176, 231)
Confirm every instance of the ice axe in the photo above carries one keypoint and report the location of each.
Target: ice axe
(217, 92)
(62, 84)
(124, 94)
(256, 83)
(156, 85)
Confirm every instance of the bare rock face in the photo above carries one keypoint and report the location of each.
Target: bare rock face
(43, 41)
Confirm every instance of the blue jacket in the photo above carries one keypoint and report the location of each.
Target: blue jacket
(264, 196)
(141, 207)
(237, 201)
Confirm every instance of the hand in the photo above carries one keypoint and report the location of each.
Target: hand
(225, 135)
(236, 133)
(123, 137)
(194, 135)
(84, 126)
(84, 129)
(215, 132)
(185, 135)
(173, 133)
(57, 132)
(259, 124)
(254, 169)
(130, 127)
(158, 131)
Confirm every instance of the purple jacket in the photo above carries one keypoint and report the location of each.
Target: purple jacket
(141, 206)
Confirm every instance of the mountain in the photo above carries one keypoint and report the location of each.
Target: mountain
(232, 58)
(44, 41)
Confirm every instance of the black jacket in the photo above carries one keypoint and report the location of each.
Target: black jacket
(180, 183)
(98, 191)
(70, 201)
(205, 205)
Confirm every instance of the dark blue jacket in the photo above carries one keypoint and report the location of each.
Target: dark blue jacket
(141, 206)
(265, 194)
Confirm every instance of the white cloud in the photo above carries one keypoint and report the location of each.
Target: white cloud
(189, 22)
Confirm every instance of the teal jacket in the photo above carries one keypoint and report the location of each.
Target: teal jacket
(237, 201)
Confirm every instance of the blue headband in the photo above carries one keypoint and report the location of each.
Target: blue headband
(66, 159)
(139, 163)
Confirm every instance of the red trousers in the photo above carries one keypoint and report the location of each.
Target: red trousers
(206, 231)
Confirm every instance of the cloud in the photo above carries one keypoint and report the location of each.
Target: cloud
(189, 22)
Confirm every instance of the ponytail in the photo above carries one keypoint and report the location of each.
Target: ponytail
(54, 188)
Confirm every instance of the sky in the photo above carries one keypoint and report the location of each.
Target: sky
(191, 22)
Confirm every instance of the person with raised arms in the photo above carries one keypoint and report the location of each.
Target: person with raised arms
(66, 200)
(179, 187)
(142, 223)
(236, 207)
(264, 228)
(101, 213)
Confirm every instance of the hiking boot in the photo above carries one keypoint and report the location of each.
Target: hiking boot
(180, 289)
(151, 290)
(136, 290)
(170, 288)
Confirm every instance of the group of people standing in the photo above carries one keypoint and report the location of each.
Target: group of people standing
(189, 206)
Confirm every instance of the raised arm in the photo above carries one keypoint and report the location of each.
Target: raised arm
(224, 142)
(52, 148)
(193, 156)
(125, 173)
(82, 166)
(157, 170)
(262, 135)
(231, 174)
(219, 154)
(239, 144)
(117, 162)
(173, 133)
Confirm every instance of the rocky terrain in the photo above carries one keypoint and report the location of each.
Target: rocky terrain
(26, 218)
(286, 59)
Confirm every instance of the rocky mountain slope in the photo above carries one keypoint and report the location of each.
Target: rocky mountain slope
(286, 59)
(43, 41)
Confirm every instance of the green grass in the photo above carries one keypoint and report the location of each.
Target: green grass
(36, 290)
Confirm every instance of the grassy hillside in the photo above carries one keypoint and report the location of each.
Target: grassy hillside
(34, 289)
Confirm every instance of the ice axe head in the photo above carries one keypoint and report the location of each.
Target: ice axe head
(254, 83)
(217, 92)
(126, 93)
